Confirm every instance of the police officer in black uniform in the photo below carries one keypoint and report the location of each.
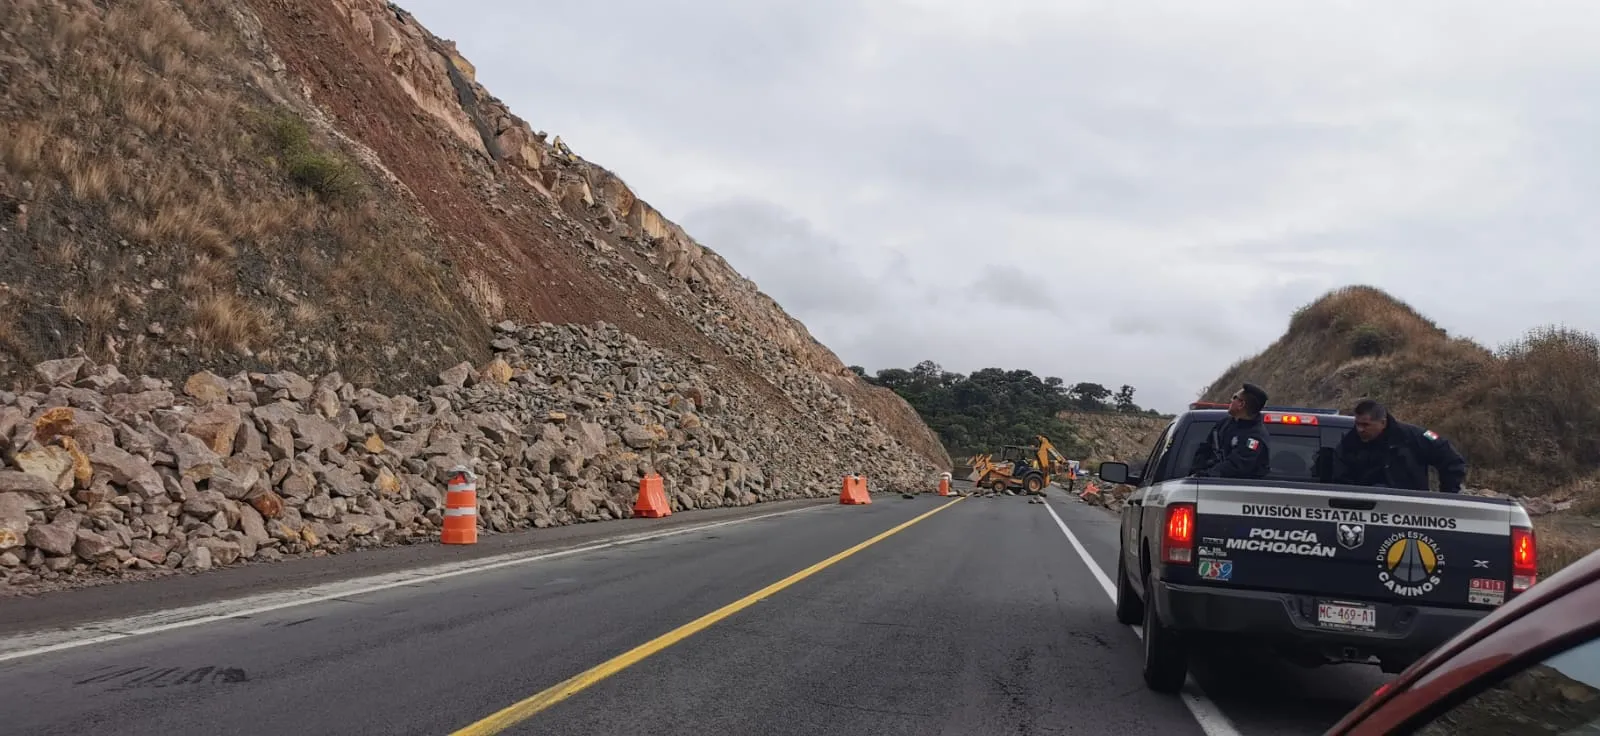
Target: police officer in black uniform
(1384, 451)
(1237, 446)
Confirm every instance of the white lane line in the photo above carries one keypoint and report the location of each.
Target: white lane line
(97, 632)
(1206, 713)
(1094, 567)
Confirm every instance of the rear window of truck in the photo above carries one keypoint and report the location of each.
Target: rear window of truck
(1294, 449)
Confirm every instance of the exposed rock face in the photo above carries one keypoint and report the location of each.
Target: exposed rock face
(1114, 436)
(666, 279)
(560, 426)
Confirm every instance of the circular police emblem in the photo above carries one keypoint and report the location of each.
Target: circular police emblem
(1410, 564)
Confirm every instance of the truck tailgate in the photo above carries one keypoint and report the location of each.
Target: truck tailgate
(1338, 542)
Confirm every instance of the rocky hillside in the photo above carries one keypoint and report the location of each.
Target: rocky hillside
(265, 189)
(338, 193)
(1113, 436)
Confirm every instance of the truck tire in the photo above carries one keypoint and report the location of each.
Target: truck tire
(1166, 664)
(1130, 610)
(1034, 483)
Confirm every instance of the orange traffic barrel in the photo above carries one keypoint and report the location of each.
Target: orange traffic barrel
(460, 508)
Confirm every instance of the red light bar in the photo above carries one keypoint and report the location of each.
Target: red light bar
(1289, 418)
(1269, 418)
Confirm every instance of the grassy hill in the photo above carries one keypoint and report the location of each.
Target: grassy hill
(1531, 407)
(1525, 415)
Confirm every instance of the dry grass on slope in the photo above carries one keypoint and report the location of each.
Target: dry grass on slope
(160, 210)
(1537, 411)
(1530, 409)
(1354, 342)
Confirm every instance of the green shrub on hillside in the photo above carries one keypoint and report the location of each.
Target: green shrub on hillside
(328, 175)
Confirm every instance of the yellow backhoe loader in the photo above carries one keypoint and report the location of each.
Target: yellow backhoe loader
(1028, 467)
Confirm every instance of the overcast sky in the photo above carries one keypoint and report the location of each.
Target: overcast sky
(1114, 192)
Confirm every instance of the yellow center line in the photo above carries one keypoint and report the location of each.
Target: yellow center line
(525, 709)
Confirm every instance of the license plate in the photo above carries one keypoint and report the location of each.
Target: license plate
(1347, 616)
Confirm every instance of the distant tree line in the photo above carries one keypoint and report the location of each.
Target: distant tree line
(994, 407)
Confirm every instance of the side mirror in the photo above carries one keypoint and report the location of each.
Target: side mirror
(1111, 472)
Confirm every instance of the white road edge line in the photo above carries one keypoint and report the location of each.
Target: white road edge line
(1206, 713)
(42, 642)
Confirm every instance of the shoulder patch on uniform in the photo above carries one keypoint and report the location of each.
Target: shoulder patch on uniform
(1253, 443)
(1430, 434)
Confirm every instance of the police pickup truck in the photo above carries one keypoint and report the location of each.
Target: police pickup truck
(1318, 572)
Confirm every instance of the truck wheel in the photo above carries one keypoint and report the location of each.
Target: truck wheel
(1034, 484)
(1166, 664)
(1130, 610)
(998, 486)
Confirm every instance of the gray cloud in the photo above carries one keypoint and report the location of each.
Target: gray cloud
(1181, 176)
(807, 272)
(1010, 285)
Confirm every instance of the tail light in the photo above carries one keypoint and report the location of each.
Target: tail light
(1524, 559)
(1177, 543)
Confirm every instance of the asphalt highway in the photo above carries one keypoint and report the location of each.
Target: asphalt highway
(906, 616)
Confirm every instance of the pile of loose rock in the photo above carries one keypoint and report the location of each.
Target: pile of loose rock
(1109, 496)
(104, 474)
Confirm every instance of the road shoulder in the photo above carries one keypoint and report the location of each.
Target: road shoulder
(66, 608)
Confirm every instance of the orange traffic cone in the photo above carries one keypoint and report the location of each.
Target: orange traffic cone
(652, 503)
(854, 491)
(944, 484)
